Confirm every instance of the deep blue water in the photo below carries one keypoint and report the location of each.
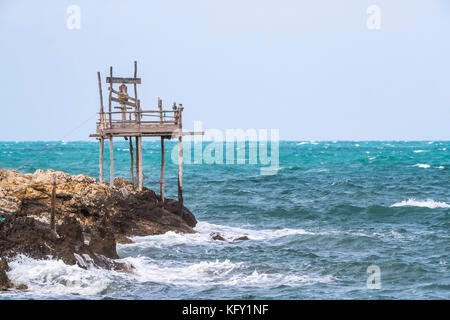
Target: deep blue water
(332, 210)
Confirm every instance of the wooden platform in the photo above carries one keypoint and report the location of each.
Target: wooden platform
(130, 120)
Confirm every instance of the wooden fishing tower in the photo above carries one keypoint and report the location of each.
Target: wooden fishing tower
(128, 120)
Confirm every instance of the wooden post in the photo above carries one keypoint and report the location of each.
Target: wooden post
(180, 161)
(132, 161)
(101, 99)
(102, 146)
(111, 161)
(110, 96)
(141, 180)
(52, 205)
(137, 162)
(161, 180)
(160, 110)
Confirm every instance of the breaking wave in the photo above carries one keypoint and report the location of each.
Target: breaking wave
(430, 203)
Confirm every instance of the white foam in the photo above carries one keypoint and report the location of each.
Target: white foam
(422, 165)
(430, 203)
(420, 151)
(202, 237)
(213, 273)
(55, 278)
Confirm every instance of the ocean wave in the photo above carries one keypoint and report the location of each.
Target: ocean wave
(207, 273)
(430, 203)
(420, 151)
(202, 237)
(55, 278)
(422, 165)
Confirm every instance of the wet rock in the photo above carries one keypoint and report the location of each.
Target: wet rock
(123, 240)
(241, 238)
(216, 236)
(5, 283)
(103, 242)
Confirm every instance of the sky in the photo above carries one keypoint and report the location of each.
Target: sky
(312, 69)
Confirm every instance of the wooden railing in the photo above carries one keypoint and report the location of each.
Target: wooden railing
(132, 118)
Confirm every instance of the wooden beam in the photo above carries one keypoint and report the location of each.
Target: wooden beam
(52, 205)
(180, 162)
(101, 99)
(102, 146)
(124, 102)
(141, 176)
(112, 79)
(110, 96)
(111, 161)
(132, 161)
(161, 180)
(137, 162)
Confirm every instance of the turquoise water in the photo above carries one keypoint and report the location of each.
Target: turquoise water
(332, 210)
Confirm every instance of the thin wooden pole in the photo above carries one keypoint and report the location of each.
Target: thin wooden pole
(101, 99)
(160, 110)
(137, 162)
(102, 147)
(132, 161)
(141, 180)
(161, 181)
(110, 96)
(52, 205)
(111, 161)
(180, 161)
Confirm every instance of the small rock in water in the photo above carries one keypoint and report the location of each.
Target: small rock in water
(241, 238)
(216, 236)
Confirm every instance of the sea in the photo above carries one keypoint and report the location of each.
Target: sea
(334, 220)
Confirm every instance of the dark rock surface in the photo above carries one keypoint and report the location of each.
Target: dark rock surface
(90, 217)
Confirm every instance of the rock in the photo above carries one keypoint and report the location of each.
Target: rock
(216, 236)
(241, 238)
(22, 287)
(129, 212)
(90, 218)
(103, 242)
(5, 283)
(123, 240)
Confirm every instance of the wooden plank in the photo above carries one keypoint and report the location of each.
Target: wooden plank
(111, 161)
(124, 102)
(102, 146)
(112, 79)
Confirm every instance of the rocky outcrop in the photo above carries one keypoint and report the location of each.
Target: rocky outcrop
(90, 218)
(124, 210)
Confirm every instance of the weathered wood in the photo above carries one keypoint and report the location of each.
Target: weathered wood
(180, 161)
(160, 110)
(101, 99)
(137, 162)
(111, 161)
(110, 96)
(112, 79)
(52, 205)
(141, 175)
(161, 180)
(102, 146)
(130, 139)
(131, 104)
(117, 92)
